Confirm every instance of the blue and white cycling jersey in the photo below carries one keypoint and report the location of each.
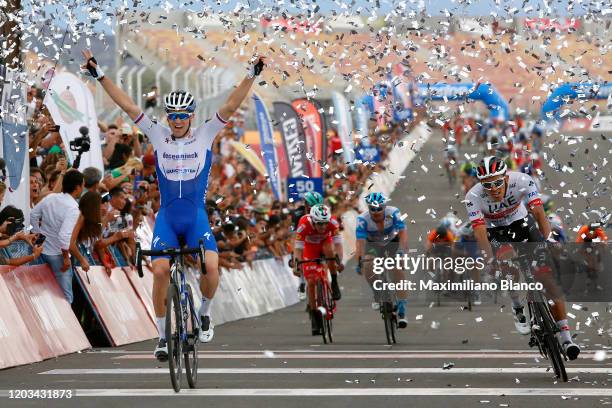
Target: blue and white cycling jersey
(183, 166)
(368, 230)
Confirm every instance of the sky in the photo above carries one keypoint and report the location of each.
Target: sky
(60, 10)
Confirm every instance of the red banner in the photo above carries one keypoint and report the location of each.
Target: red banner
(122, 313)
(545, 24)
(314, 128)
(31, 294)
(143, 287)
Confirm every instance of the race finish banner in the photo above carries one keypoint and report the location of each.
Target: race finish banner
(71, 105)
(14, 140)
(298, 186)
(345, 125)
(268, 151)
(315, 131)
(294, 140)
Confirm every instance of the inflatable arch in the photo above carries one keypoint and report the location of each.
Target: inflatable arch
(569, 91)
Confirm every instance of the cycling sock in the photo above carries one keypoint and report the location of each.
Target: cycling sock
(334, 278)
(516, 301)
(205, 307)
(565, 331)
(161, 327)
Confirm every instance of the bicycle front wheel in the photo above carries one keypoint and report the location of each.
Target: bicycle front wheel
(550, 342)
(329, 306)
(191, 348)
(174, 328)
(387, 310)
(321, 305)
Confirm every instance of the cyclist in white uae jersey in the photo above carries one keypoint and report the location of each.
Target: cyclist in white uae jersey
(498, 214)
(183, 159)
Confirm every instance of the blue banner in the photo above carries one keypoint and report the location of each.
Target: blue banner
(367, 152)
(298, 186)
(268, 150)
(345, 125)
(14, 151)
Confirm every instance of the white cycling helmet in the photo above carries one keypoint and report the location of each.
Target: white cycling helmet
(180, 101)
(491, 166)
(320, 214)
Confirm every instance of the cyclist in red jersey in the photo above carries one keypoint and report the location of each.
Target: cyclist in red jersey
(318, 236)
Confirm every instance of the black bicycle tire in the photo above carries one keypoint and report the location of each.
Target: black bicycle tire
(551, 343)
(191, 369)
(385, 315)
(321, 302)
(329, 306)
(175, 354)
(393, 324)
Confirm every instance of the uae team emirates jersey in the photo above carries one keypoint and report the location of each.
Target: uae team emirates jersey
(482, 210)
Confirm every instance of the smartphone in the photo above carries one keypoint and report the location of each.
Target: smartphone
(40, 239)
(55, 128)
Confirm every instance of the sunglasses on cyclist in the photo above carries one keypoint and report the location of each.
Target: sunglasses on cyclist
(179, 115)
(490, 185)
(376, 209)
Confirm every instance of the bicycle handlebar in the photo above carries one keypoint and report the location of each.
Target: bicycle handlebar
(318, 260)
(172, 252)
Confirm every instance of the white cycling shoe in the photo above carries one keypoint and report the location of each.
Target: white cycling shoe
(207, 330)
(571, 350)
(161, 350)
(520, 321)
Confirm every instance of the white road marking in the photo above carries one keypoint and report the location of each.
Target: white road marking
(350, 356)
(333, 351)
(341, 392)
(334, 370)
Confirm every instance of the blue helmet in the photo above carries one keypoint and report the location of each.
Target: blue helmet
(376, 199)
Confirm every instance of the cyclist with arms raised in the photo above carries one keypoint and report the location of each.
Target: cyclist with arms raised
(318, 236)
(183, 159)
(381, 232)
(498, 214)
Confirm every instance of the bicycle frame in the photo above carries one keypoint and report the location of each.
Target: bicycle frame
(177, 278)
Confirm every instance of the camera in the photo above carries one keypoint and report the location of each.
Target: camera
(40, 239)
(15, 226)
(80, 145)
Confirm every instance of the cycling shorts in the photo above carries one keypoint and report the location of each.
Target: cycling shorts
(382, 249)
(312, 251)
(182, 220)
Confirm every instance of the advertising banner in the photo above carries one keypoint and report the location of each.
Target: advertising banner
(294, 139)
(268, 150)
(315, 131)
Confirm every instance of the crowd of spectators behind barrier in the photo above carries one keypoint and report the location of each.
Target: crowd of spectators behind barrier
(248, 223)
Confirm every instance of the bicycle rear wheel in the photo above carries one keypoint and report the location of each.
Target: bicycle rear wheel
(191, 348)
(174, 328)
(321, 304)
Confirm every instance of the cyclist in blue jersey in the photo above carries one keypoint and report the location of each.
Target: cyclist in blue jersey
(381, 232)
(183, 155)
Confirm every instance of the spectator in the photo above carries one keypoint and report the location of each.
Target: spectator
(2, 191)
(120, 156)
(92, 177)
(37, 182)
(11, 230)
(111, 139)
(55, 217)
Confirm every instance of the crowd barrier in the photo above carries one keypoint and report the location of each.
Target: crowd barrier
(385, 181)
(36, 321)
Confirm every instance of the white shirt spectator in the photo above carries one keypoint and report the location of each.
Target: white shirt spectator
(55, 217)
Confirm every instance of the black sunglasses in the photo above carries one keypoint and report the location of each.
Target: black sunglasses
(376, 209)
(490, 185)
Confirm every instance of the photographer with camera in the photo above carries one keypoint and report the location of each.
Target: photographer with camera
(55, 217)
(11, 230)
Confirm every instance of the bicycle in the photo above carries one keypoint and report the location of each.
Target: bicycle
(544, 329)
(324, 302)
(182, 321)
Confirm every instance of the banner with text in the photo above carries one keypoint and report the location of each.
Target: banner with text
(268, 150)
(315, 131)
(294, 139)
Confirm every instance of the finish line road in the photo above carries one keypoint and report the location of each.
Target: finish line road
(446, 357)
